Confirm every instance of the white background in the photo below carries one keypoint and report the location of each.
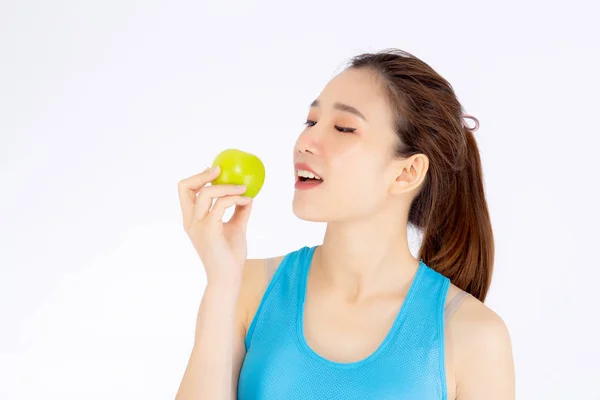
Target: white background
(106, 105)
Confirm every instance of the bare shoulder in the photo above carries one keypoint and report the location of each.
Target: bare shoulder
(482, 352)
(252, 289)
(478, 324)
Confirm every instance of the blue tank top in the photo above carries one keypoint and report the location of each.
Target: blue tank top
(408, 364)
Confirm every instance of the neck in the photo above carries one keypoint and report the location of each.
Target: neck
(366, 256)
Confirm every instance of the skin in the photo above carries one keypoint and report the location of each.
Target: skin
(361, 273)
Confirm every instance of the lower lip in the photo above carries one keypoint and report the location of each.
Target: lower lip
(307, 185)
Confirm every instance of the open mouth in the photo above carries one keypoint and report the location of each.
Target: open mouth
(307, 176)
(305, 179)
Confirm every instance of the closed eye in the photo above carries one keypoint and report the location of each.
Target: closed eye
(310, 123)
(346, 130)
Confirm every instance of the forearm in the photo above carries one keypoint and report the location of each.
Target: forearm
(208, 375)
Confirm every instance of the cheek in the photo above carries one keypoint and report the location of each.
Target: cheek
(340, 151)
(354, 164)
(357, 170)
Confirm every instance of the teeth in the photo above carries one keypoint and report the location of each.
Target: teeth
(307, 174)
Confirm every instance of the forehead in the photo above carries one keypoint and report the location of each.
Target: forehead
(361, 89)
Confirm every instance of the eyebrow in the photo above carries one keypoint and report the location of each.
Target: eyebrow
(342, 107)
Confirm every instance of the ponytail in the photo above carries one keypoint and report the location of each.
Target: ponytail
(458, 240)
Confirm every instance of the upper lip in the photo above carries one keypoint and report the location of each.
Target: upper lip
(306, 167)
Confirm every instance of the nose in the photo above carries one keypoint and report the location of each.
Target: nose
(307, 143)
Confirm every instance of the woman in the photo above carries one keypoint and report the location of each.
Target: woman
(386, 144)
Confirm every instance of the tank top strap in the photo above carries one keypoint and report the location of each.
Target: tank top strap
(427, 308)
(281, 294)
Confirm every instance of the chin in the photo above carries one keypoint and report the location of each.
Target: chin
(309, 212)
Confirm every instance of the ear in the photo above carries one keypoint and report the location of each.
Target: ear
(409, 174)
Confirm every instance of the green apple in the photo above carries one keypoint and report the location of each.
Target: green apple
(240, 168)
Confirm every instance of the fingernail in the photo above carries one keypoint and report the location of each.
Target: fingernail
(240, 187)
(214, 169)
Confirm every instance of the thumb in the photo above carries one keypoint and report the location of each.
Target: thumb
(241, 215)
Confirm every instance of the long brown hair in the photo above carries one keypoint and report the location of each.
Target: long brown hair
(450, 208)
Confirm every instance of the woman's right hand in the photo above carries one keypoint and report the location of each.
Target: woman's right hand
(222, 247)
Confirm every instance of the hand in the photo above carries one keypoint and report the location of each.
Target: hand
(222, 247)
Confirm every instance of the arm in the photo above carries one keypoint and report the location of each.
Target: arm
(484, 360)
(217, 355)
(208, 374)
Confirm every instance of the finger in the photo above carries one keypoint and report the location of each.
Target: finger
(241, 215)
(223, 203)
(207, 194)
(188, 187)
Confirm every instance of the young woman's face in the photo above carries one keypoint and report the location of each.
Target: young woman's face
(348, 141)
